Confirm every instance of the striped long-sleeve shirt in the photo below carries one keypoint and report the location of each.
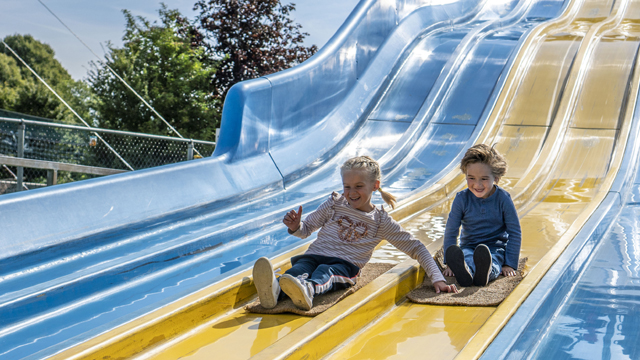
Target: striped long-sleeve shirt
(352, 235)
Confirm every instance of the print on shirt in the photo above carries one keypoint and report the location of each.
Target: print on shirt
(350, 231)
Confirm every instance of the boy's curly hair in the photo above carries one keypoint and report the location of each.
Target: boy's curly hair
(483, 153)
(372, 169)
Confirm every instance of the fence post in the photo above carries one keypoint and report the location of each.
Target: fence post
(52, 177)
(20, 154)
(190, 150)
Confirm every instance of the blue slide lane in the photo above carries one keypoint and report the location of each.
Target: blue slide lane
(588, 304)
(411, 86)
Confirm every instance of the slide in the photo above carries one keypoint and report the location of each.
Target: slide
(82, 259)
(156, 263)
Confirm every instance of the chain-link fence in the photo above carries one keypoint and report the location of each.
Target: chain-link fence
(91, 147)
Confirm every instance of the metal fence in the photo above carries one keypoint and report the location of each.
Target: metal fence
(93, 148)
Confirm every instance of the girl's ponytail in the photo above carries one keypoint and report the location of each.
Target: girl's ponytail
(388, 198)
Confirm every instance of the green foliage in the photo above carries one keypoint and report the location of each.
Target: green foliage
(156, 60)
(21, 91)
(11, 81)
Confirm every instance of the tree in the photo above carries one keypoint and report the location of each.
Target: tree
(248, 39)
(21, 91)
(158, 61)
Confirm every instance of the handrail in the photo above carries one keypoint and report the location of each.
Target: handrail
(106, 131)
(58, 166)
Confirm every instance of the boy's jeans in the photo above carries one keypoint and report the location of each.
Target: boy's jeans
(497, 259)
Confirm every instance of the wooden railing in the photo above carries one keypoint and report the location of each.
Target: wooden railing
(53, 167)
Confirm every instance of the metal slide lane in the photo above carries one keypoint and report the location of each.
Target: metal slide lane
(575, 181)
(58, 293)
(585, 306)
(536, 10)
(598, 315)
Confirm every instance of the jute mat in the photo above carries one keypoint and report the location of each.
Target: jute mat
(323, 302)
(490, 295)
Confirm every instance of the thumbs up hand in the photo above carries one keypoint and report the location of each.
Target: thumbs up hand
(292, 219)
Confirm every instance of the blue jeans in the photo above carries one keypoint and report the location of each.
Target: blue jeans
(325, 272)
(497, 259)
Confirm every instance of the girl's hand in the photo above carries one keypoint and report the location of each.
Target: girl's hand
(442, 286)
(292, 219)
(508, 271)
(448, 272)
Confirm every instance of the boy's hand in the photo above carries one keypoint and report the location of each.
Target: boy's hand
(508, 271)
(448, 272)
(442, 286)
(292, 219)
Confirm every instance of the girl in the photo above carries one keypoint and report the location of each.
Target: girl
(490, 237)
(350, 228)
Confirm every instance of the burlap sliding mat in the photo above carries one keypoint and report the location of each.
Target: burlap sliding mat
(322, 302)
(490, 295)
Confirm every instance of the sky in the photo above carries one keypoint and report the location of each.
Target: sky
(97, 22)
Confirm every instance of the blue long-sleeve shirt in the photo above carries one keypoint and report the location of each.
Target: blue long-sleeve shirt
(493, 220)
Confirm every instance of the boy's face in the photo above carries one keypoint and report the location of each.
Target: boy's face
(358, 189)
(480, 180)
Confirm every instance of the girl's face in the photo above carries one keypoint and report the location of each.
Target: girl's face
(358, 189)
(480, 180)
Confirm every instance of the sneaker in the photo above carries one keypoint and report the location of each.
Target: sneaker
(482, 260)
(266, 284)
(455, 260)
(299, 290)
